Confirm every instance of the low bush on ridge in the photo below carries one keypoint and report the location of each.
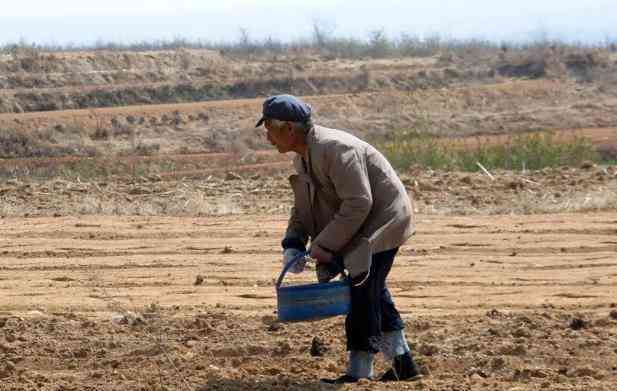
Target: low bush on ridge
(531, 151)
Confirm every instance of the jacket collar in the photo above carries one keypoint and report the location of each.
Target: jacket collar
(311, 139)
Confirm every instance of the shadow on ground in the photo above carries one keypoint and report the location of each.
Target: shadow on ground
(275, 384)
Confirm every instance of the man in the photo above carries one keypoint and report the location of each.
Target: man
(352, 206)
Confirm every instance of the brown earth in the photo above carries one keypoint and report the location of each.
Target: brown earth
(32, 80)
(126, 272)
(232, 187)
(154, 303)
(506, 108)
(89, 80)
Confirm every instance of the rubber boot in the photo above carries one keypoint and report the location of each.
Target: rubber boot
(403, 368)
(359, 366)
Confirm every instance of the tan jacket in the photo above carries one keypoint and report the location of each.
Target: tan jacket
(348, 199)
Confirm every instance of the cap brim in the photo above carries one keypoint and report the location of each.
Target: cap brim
(260, 122)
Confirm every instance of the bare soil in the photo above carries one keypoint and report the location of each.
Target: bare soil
(126, 272)
(153, 303)
(260, 185)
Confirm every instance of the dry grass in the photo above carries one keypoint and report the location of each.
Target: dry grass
(40, 81)
(527, 203)
(190, 203)
(549, 190)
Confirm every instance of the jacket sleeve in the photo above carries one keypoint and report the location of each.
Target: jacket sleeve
(295, 235)
(347, 171)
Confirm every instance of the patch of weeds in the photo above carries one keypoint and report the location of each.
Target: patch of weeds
(84, 169)
(152, 308)
(147, 149)
(14, 143)
(535, 151)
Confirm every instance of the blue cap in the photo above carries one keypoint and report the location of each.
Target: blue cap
(285, 108)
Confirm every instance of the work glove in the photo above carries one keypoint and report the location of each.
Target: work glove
(324, 274)
(327, 271)
(288, 255)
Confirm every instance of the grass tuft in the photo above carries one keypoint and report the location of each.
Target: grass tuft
(536, 151)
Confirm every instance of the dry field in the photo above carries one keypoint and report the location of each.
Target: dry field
(155, 303)
(100, 292)
(139, 241)
(234, 188)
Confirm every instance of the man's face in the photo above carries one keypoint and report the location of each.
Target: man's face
(281, 138)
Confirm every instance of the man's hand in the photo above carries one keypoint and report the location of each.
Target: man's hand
(320, 255)
(291, 253)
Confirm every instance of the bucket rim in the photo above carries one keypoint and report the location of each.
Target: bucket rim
(314, 286)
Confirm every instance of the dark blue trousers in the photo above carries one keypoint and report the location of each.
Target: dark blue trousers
(372, 309)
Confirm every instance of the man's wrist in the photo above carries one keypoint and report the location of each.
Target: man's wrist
(291, 242)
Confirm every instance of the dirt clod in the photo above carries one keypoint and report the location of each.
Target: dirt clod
(428, 349)
(7, 370)
(578, 324)
(586, 165)
(199, 280)
(318, 347)
(63, 279)
(498, 363)
(494, 313)
(128, 318)
(276, 326)
(232, 176)
(521, 332)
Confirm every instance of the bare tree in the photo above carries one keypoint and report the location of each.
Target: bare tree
(245, 44)
(322, 33)
(380, 45)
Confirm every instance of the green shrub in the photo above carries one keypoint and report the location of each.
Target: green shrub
(535, 151)
(14, 144)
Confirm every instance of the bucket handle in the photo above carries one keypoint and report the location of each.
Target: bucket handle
(296, 259)
(288, 266)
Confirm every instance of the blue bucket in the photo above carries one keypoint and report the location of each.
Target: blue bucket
(311, 301)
